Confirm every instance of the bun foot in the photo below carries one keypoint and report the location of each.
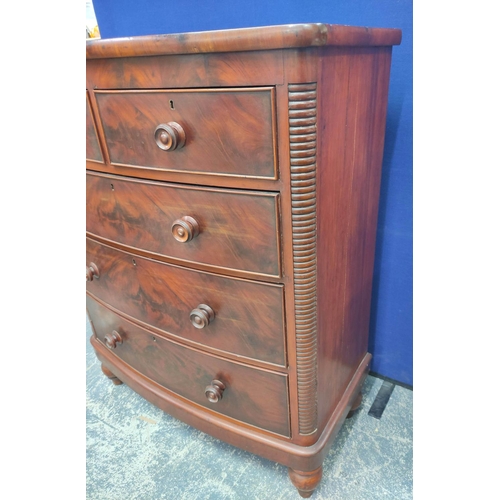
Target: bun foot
(355, 405)
(305, 482)
(110, 375)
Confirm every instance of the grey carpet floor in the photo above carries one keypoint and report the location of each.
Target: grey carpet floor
(137, 452)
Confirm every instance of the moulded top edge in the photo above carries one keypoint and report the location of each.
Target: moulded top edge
(243, 39)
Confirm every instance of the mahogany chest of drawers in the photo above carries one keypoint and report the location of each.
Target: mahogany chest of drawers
(232, 194)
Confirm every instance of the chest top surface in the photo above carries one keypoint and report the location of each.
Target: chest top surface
(244, 39)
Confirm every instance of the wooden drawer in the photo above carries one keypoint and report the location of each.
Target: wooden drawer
(238, 230)
(249, 315)
(254, 396)
(93, 149)
(227, 131)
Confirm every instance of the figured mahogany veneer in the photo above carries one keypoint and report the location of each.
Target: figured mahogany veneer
(216, 134)
(248, 315)
(264, 38)
(93, 149)
(254, 396)
(238, 230)
(233, 181)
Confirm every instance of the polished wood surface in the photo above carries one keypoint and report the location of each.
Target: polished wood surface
(170, 136)
(271, 446)
(238, 229)
(212, 70)
(185, 229)
(216, 134)
(248, 315)
(202, 316)
(355, 406)
(93, 148)
(110, 375)
(255, 396)
(268, 243)
(259, 38)
(215, 391)
(305, 482)
(347, 225)
(113, 339)
(302, 111)
(92, 272)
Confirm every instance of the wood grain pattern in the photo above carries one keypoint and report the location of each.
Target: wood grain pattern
(93, 148)
(302, 128)
(305, 482)
(301, 65)
(238, 229)
(187, 71)
(249, 319)
(348, 185)
(283, 252)
(254, 396)
(257, 38)
(109, 374)
(221, 135)
(274, 447)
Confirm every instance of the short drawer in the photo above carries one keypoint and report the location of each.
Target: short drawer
(93, 149)
(222, 228)
(221, 131)
(247, 319)
(254, 396)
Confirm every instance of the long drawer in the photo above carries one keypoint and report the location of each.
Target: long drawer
(254, 396)
(227, 229)
(247, 319)
(221, 131)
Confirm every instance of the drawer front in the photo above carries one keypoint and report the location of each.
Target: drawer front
(93, 148)
(236, 230)
(230, 131)
(251, 395)
(248, 316)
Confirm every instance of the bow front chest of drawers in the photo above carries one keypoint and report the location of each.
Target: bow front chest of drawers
(232, 193)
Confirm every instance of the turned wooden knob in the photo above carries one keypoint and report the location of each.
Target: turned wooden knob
(92, 272)
(112, 339)
(185, 229)
(214, 391)
(202, 316)
(170, 136)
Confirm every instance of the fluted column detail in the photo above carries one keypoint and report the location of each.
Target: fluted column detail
(302, 128)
